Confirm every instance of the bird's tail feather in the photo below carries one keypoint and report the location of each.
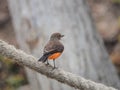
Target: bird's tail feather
(43, 58)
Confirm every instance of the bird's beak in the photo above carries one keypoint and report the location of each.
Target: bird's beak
(62, 35)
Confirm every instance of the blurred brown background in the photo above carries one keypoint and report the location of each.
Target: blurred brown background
(106, 14)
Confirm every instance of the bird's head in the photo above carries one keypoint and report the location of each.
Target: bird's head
(56, 36)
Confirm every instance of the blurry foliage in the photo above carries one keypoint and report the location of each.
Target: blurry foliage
(116, 1)
(11, 74)
(15, 80)
(119, 21)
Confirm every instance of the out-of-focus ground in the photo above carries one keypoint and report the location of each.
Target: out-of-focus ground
(12, 75)
(106, 14)
(6, 28)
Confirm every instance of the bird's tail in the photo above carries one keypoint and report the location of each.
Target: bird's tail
(43, 58)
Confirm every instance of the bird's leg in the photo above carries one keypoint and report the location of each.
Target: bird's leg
(47, 62)
(54, 64)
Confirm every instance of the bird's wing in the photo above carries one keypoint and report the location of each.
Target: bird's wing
(53, 47)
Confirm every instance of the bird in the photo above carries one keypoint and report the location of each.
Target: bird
(53, 49)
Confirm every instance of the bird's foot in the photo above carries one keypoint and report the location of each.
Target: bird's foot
(55, 68)
(47, 63)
